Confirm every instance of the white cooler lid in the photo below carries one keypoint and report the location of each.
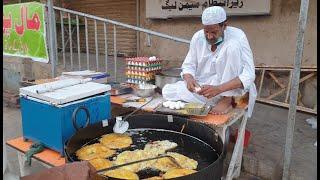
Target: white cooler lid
(65, 94)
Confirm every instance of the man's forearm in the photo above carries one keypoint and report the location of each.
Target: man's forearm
(230, 85)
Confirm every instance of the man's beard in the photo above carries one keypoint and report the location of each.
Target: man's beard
(211, 41)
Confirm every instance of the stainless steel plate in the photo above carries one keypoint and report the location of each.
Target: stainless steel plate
(184, 112)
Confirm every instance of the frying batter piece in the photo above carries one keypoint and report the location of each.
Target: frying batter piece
(166, 164)
(173, 173)
(184, 161)
(116, 141)
(122, 174)
(136, 155)
(93, 151)
(160, 147)
(100, 163)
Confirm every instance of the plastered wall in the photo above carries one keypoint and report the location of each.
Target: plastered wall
(272, 38)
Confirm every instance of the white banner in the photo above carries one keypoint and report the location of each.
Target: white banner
(163, 9)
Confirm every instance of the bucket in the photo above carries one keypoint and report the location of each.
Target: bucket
(247, 136)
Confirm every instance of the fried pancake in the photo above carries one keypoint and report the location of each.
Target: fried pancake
(173, 173)
(164, 164)
(116, 141)
(160, 147)
(184, 161)
(136, 155)
(121, 174)
(100, 163)
(94, 151)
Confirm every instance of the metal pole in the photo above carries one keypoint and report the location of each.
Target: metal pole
(52, 37)
(295, 87)
(124, 25)
(55, 39)
(115, 51)
(96, 44)
(62, 40)
(138, 25)
(87, 44)
(78, 42)
(105, 45)
(70, 41)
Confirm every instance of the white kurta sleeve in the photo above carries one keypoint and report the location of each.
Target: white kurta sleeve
(230, 67)
(248, 75)
(189, 64)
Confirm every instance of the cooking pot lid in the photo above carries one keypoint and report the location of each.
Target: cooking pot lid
(172, 72)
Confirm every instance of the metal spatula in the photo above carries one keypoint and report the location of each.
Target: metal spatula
(121, 125)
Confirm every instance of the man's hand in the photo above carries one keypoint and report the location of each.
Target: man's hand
(209, 91)
(191, 82)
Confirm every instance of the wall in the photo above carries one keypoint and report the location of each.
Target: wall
(272, 38)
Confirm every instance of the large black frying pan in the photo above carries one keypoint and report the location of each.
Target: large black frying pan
(194, 140)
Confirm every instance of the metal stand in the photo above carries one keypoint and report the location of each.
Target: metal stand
(236, 159)
(24, 168)
(234, 168)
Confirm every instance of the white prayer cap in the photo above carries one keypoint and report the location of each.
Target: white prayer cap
(213, 15)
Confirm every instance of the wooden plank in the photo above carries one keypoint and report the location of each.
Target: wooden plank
(300, 103)
(307, 77)
(276, 94)
(281, 104)
(285, 67)
(261, 81)
(288, 87)
(276, 80)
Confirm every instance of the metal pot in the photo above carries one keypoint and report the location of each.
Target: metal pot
(200, 137)
(141, 92)
(168, 76)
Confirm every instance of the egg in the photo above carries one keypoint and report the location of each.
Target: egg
(166, 104)
(177, 106)
(197, 89)
(172, 106)
(182, 105)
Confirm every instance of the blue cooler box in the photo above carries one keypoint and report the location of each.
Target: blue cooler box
(53, 124)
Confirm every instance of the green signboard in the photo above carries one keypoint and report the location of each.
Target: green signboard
(24, 32)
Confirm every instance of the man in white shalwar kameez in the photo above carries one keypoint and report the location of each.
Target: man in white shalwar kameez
(220, 62)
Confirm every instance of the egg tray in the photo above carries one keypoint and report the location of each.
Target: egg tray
(145, 65)
(144, 78)
(141, 81)
(142, 61)
(140, 78)
(130, 71)
(143, 69)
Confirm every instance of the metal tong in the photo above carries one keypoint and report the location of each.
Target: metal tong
(139, 161)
